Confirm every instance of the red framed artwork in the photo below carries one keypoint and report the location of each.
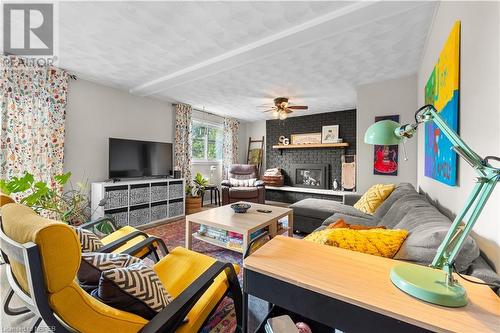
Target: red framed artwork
(385, 157)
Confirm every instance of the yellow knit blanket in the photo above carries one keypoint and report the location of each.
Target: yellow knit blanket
(379, 242)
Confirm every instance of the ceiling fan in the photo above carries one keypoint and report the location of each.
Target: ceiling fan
(282, 108)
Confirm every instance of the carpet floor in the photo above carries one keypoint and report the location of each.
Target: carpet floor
(224, 319)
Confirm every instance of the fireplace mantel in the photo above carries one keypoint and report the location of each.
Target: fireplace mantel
(315, 145)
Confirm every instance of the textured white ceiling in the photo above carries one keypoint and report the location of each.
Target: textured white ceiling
(127, 45)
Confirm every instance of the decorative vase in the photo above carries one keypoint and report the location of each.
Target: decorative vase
(193, 204)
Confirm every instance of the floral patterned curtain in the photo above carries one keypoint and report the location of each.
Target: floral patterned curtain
(183, 140)
(230, 143)
(33, 112)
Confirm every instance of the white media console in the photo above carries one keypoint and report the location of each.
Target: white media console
(139, 202)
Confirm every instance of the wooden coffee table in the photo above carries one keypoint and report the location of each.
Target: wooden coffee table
(226, 219)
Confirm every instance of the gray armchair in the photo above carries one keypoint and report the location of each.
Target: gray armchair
(231, 194)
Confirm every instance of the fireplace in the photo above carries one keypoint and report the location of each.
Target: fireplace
(310, 175)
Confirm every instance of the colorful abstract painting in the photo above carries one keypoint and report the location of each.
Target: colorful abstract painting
(442, 91)
(385, 157)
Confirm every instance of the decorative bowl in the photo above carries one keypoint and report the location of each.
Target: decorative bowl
(240, 208)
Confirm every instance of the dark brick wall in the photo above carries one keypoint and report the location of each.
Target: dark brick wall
(309, 124)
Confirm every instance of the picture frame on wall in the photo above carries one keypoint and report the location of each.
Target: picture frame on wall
(330, 134)
(386, 157)
(305, 139)
(443, 91)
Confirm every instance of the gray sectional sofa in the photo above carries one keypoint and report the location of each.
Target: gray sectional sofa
(405, 209)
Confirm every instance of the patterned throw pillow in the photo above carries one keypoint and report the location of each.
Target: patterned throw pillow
(242, 182)
(136, 289)
(88, 240)
(93, 264)
(378, 242)
(374, 197)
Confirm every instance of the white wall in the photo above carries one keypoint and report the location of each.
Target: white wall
(398, 96)
(95, 112)
(479, 107)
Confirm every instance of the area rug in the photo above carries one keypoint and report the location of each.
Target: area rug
(173, 234)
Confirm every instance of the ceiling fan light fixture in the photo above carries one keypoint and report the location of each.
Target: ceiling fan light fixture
(282, 108)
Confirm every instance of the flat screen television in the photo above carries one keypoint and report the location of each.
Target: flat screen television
(135, 159)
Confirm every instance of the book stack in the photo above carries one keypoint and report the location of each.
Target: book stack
(235, 241)
(217, 234)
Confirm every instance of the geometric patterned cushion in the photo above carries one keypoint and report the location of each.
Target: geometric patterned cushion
(136, 289)
(93, 264)
(374, 197)
(88, 240)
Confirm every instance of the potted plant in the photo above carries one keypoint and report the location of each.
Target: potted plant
(194, 194)
(70, 205)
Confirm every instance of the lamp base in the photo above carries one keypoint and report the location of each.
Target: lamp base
(428, 284)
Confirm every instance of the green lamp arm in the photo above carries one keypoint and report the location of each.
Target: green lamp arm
(488, 177)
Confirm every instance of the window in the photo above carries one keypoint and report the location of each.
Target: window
(207, 142)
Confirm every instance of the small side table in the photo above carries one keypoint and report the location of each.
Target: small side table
(214, 193)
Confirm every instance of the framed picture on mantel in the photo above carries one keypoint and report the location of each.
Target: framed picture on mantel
(306, 139)
(330, 134)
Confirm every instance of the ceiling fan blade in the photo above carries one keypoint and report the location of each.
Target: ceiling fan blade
(269, 110)
(298, 107)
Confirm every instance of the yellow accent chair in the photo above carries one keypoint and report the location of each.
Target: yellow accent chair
(43, 257)
(5, 199)
(121, 240)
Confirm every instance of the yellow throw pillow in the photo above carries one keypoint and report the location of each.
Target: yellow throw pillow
(374, 197)
(378, 242)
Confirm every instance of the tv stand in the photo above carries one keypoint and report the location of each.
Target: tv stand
(140, 201)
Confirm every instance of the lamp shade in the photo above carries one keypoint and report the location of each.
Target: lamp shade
(382, 133)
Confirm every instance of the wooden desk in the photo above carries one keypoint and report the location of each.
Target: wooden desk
(352, 291)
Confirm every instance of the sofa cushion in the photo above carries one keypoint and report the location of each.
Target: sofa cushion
(243, 182)
(342, 224)
(135, 288)
(428, 227)
(401, 207)
(379, 242)
(482, 270)
(93, 264)
(374, 197)
(368, 221)
(401, 189)
(88, 240)
(322, 209)
(243, 192)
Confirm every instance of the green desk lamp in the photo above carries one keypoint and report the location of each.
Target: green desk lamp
(435, 284)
